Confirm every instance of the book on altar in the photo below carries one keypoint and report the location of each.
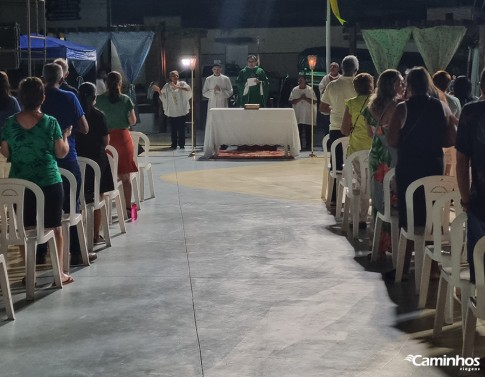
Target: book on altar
(251, 106)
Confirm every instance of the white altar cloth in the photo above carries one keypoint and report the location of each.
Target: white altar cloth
(251, 127)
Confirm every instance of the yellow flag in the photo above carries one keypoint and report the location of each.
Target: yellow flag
(335, 10)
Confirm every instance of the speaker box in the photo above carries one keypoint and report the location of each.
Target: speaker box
(9, 36)
(9, 46)
(9, 59)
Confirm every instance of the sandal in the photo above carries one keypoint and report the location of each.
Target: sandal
(99, 240)
(69, 280)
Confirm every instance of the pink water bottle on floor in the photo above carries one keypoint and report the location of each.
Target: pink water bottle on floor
(134, 212)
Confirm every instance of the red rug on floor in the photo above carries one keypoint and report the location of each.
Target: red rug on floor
(253, 152)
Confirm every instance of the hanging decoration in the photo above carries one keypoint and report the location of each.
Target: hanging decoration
(336, 11)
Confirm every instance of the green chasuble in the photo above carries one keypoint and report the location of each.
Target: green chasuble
(248, 93)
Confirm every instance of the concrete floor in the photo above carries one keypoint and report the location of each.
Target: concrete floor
(235, 269)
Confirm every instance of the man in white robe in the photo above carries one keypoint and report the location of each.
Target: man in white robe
(217, 88)
(175, 96)
(301, 98)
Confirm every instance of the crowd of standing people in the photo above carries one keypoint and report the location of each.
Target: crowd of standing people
(53, 125)
(410, 123)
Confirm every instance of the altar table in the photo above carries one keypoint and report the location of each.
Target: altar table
(251, 127)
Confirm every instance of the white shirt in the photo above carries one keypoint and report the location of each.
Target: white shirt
(100, 86)
(175, 101)
(303, 108)
(326, 79)
(335, 94)
(217, 98)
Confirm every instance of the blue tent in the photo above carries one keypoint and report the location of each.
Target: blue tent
(56, 48)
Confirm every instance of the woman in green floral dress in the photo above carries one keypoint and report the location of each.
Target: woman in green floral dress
(389, 92)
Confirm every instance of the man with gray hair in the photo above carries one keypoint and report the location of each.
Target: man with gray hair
(65, 72)
(333, 103)
(65, 107)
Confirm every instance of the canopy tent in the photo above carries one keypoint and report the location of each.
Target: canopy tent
(56, 48)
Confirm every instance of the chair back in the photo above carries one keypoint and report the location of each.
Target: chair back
(144, 157)
(344, 142)
(12, 193)
(478, 255)
(351, 181)
(326, 155)
(84, 162)
(387, 192)
(442, 217)
(4, 167)
(72, 193)
(458, 246)
(113, 157)
(449, 161)
(434, 187)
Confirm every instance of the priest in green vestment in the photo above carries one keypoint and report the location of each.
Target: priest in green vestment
(252, 84)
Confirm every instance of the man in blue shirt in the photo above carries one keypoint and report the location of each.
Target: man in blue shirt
(65, 107)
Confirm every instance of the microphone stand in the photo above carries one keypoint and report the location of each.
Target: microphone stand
(281, 88)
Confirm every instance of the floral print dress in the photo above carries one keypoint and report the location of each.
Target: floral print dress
(382, 158)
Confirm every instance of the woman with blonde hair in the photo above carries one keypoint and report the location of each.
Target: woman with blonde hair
(389, 91)
(353, 125)
(120, 115)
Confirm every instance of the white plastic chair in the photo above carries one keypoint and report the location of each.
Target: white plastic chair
(5, 285)
(115, 195)
(355, 188)
(4, 167)
(439, 251)
(97, 204)
(73, 219)
(326, 167)
(434, 186)
(12, 231)
(449, 160)
(390, 216)
(143, 163)
(336, 175)
(457, 274)
(476, 303)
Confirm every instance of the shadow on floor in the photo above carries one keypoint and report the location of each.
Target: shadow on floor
(417, 323)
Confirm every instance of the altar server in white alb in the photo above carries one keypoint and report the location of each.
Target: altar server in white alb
(301, 99)
(217, 88)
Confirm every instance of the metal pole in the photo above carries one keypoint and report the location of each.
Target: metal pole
(192, 114)
(37, 16)
(312, 116)
(29, 46)
(108, 15)
(45, 31)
